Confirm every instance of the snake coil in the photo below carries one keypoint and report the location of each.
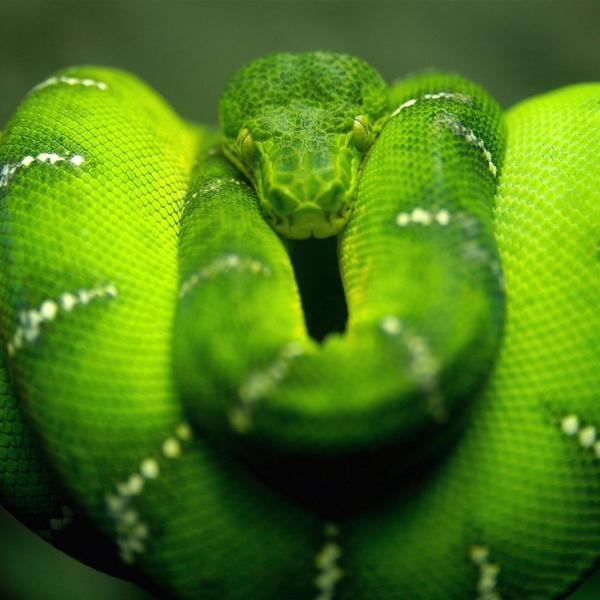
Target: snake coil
(188, 401)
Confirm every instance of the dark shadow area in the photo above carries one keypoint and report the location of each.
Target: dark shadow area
(317, 273)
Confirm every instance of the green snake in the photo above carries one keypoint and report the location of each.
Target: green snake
(346, 346)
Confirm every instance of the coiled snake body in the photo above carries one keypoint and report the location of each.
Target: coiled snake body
(168, 412)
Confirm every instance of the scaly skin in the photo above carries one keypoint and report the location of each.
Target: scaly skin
(162, 391)
(407, 335)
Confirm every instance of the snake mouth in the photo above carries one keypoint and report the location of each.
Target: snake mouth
(308, 221)
(300, 216)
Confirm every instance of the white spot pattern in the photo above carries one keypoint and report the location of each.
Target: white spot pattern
(424, 366)
(85, 82)
(488, 573)
(326, 562)
(391, 325)
(472, 249)
(259, 384)
(456, 96)
(149, 468)
(132, 531)
(31, 321)
(171, 448)
(225, 263)
(570, 424)
(587, 436)
(184, 432)
(8, 170)
(214, 185)
(468, 134)
(421, 216)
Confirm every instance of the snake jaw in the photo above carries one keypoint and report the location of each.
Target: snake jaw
(313, 221)
(302, 219)
(307, 191)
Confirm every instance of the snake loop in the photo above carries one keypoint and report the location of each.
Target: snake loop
(165, 400)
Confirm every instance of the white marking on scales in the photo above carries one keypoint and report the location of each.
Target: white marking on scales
(468, 134)
(422, 216)
(326, 561)
(455, 96)
(391, 325)
(488, 573)
(8, 170)
(259, 384)
(72, 81)
(131, 531)
(223, 264)
(424, 367)
(587, 435)
(32, 320)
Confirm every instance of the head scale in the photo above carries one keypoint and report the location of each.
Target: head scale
(298, 126)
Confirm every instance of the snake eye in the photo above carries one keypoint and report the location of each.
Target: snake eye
(361, 133)
(246, 146)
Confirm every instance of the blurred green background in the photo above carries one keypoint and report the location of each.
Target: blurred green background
(188, 50)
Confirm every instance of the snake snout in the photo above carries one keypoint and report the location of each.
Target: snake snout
(317, 215)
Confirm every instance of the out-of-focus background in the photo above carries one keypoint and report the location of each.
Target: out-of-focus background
(188, 50)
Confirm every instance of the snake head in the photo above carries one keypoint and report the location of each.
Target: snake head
(299, 126)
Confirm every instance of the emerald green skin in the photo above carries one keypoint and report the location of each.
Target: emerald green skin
(158, 379)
